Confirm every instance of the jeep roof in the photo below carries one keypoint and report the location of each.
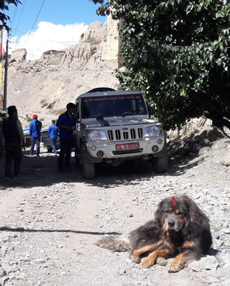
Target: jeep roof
(110, 93)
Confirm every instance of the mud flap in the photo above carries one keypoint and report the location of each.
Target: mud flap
(90, 159)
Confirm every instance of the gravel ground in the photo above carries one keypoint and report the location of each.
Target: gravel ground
(49, 221)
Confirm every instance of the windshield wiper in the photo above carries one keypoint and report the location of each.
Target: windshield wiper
(127, 113)
(106, 114)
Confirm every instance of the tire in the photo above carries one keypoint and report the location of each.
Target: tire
(77, 162)
(88, 169)
(161, 165)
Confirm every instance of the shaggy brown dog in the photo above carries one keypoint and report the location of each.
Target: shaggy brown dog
(180, 229)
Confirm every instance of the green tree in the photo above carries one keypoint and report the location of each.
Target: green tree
(178, 53)
(4, 6)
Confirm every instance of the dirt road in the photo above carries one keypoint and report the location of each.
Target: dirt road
(49, 222)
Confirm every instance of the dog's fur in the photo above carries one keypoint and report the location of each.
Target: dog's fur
(180, 229)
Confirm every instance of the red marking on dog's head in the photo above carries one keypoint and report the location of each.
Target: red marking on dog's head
(174, 202)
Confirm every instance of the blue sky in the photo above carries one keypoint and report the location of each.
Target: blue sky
(41, 25)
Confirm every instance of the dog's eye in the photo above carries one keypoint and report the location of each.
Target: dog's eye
(180, 213)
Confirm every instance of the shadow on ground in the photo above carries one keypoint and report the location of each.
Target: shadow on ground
(43, 171)
(22, 229)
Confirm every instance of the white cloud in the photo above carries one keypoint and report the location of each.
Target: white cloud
(48, 37)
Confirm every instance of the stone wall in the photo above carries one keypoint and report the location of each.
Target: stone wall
(18, 55)
(110, 46)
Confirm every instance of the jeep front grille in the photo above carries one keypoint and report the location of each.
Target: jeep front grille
(130, 134)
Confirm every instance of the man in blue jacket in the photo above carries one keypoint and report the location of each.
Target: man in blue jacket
(35, 133)
(54, 133)
(66, 123)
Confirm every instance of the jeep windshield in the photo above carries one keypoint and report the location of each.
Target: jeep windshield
(111, 106)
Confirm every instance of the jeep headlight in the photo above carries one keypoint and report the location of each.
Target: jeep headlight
(153, 131)
(94, 135)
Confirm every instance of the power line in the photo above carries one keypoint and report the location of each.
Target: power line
(20, 17)
(35, 21)
(14, 15)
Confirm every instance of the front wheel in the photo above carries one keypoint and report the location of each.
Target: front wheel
(77, 161)
(88, 169)
(161, 165)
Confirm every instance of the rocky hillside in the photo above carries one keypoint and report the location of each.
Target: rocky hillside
(46, 85)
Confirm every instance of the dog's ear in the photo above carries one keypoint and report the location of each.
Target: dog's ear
(158, 214)
(196, 216)
(197, 225)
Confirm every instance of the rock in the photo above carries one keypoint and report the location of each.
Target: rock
(204, 150)
(195, 145)
(226, 160)
(2, 272)
(211, 263)
(221, 143)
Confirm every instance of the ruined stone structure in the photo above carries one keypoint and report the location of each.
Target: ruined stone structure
(46, 85)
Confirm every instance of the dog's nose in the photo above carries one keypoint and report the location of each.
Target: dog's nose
(171, 224)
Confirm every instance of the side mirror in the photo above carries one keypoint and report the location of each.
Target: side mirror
(76, 116)
(149, 110)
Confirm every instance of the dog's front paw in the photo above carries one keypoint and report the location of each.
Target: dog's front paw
(176, 266)
(161, 261)
(146, 263)
(135, 257)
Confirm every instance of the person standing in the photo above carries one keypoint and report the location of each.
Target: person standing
(14, 141)
(35, 133)
(54, 133)
(66, 123)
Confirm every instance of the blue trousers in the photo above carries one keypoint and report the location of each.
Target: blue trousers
(65, 153)
(53, 144)
(35, 141)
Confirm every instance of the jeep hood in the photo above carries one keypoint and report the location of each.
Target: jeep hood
(112, 121)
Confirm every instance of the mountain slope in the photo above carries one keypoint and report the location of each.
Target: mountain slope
(46, 85)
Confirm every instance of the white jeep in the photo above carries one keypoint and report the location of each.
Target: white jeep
(115, 126)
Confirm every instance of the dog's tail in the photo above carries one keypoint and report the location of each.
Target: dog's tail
(116, 244)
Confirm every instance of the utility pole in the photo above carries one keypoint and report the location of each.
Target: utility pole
(5, 77)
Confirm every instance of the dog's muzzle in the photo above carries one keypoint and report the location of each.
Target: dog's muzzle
(172, 225)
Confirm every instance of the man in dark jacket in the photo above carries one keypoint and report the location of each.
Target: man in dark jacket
(35, 133)
(13, 133)
(66, 123)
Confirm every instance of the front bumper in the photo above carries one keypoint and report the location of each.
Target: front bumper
(107, 150)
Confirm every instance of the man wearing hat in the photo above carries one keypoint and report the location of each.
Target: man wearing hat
(35, 133)
(14, 141)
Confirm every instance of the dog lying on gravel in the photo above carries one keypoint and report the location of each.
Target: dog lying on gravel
(180, 229)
